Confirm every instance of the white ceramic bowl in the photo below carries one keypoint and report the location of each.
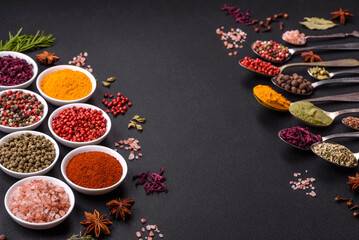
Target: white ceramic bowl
(30, 127)
(93, 148)
(29, 60)
(79, 144)
(58, 102)
(40, 226)
(41, 172)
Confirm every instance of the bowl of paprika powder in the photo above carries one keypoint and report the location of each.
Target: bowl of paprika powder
(94, 169)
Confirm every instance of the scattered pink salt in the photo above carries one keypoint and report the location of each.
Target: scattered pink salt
(39, 201)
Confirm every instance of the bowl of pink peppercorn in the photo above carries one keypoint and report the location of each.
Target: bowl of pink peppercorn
(17, 70)
(79, 124)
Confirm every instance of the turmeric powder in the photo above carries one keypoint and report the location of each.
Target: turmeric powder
(270, 97)
(66, 84)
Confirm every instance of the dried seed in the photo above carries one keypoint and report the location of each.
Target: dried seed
(106, 84)
(139, 127)
(136, 117)
(141, 120)
(111, 79)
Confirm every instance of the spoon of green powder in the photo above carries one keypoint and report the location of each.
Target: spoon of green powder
(312, 115)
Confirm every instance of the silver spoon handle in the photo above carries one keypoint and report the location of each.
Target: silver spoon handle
(345, 111)
(340, 135)
(335, 35)
(344, 72)
(342, 46)
(339, 80)
(333, 63)
(350, 97)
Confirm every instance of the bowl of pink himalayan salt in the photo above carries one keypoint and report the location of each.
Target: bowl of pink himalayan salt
(39, 202)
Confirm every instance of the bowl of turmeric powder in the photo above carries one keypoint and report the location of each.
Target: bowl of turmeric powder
(65, 84)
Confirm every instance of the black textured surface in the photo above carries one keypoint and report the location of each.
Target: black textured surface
(227, 170)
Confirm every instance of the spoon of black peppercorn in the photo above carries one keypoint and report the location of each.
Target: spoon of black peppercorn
(302, 91)
(292, 51)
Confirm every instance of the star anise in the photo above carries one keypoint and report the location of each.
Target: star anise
(96, 223)
(47, 58)
(310, 56)
(341, 14)
(354, 182)
(120, 206)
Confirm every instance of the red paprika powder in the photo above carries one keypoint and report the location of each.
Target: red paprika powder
(94, 170)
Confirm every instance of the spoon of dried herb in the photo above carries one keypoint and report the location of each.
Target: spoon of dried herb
(336, 154)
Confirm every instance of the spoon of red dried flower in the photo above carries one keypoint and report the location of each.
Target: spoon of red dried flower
(278, 53)
(302, 138)
(256, 65)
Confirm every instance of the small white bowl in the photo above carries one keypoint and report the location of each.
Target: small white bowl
(78, 144)
(41, 172)
(58, 102)
(40, 226)
(29, 60)
(93, 148)
(30, 127)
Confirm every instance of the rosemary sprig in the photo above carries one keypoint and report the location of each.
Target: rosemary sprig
(21, 43)
(80, 237)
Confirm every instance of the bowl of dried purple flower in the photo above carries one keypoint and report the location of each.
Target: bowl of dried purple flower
(17, 70)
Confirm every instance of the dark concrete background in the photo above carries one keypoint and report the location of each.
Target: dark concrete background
(227, 170)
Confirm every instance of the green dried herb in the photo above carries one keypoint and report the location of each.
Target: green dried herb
(106, 84)
(111, 79)
(336, 153)
(318, 23)
(80, 237)
(21, 43)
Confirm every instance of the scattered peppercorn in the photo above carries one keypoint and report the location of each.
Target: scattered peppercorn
(259, 65)
(79, 124)
(19, 109)
(271, 50)
(117, 104)
(27, 153)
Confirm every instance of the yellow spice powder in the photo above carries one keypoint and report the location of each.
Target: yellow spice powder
(66, 84)
(270, 97)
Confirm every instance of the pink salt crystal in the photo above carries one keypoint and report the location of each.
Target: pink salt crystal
(149, 238)
(143, 229)
(131, 156)
(160, 235)
(138, 234)
(148, 227)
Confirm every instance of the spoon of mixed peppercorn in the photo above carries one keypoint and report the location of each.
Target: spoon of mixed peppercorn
(298, 85)
(266, 69)
(278, 53)
(302, 138)
(322, 74)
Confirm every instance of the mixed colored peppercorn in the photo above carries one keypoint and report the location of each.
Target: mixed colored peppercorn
(117, 105)
(259, 65)
(271, 50)
(79, 124)
(19, 109)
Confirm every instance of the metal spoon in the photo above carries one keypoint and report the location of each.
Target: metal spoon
(325, 138)
(292, 51)
(332, 115)
(333, 74)
(333, 63)
(317, 84)
(335, 35)
(356, 155)
(349, 97)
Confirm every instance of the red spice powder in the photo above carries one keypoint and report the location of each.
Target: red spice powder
(94, 170)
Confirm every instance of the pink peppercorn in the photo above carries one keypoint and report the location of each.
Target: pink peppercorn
(259, 65)
(79, 124)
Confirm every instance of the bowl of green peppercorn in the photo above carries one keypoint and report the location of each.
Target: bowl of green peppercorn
(28, 153)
